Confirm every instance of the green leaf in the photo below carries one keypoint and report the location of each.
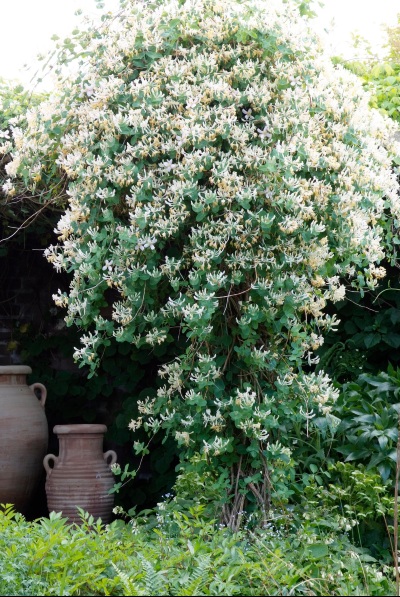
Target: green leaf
(392, 339)
(350, 327)
(318, 550)
(371, 340)
(382, 440)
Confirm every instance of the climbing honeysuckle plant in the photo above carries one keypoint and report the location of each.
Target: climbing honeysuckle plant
(225, 183)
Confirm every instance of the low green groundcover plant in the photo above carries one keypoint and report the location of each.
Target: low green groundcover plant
(178, 552)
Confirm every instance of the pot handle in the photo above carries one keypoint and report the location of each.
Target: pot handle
(43, 392)
(46, 463)
(113, 455)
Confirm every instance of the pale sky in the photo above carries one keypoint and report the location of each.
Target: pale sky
(27, 26)
(342, 17)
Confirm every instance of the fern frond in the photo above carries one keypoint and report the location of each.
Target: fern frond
(130, 589)
(155, 583)
(198, 578)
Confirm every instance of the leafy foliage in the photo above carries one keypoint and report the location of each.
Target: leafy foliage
(14, 102)
(358, 500)
(368, 336)
(393, 45)
(369, 411)
(384, 81)
(21, 207)
(382, 77)
(225, 183)
(175, 552)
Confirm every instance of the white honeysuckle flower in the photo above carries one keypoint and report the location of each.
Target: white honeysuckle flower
(264, 133)
(168, 166)
(8, 187)
(192, 103)
(89, 89)
(108, 265)
(147, 243)
(248, 114)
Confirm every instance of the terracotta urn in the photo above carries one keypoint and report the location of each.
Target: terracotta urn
(80, 476)
(23, 436)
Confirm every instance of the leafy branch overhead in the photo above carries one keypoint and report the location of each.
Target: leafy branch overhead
(20, 205)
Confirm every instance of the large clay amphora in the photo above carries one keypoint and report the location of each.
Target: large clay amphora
(23, 436)
(80, 476)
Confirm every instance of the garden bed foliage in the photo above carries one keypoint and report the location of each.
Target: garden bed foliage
(177, 552)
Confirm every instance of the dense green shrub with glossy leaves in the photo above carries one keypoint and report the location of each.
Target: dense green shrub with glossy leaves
(369, 411)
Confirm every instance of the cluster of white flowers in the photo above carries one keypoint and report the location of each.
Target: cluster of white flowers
(225, 181)
(318, 390)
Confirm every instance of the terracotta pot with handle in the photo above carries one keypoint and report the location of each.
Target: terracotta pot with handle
(23, 436)
(80, 476)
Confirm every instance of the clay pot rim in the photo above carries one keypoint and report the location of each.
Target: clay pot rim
(79, 428)
(15, 370)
